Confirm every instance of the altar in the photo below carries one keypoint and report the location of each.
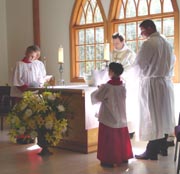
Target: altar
(83, 127)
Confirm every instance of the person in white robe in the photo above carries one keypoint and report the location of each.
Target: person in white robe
(26, 73)
(39, 65)
(114, 146)
(44, 79)
(121, 52)
(154, 64)
(124, 55)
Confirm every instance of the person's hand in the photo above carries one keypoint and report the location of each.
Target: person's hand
(23, 87)
(100, 85)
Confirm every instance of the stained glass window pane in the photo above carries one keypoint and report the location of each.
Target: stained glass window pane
(158, 23)
(90, 52)
(130, 10)
(167, 6)
(139, 30)
(81, 67)
(140, 42)
(81, 39)
(89, 17)
(143, 8)
(90, 36)
(89, 67)
(86, 6)
(99, 65)
(168, 26)
(155, 7)
(121, 29)
(97, 15)
(99, 35)
(136, 1)
(99, 51)
(80, 50)
(132, 45)
(121, 12)
(93, 4)
(82, 20)
(131, 31)
(171, 41)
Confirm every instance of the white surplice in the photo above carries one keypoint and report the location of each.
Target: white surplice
(25, 74)
(126, 57)
(112, 111)
(41, 70)
(154, 64)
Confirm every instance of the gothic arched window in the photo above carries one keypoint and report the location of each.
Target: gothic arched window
(87, 33)
(126, 15)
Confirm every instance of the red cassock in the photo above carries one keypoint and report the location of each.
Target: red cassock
(114, 146)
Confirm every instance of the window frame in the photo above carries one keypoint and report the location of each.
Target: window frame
(113, 21)
(75, 18)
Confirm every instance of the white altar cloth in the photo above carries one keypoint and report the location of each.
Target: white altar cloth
(90, 110)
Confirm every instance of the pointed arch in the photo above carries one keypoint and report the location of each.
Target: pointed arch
(165, 14)
(87, 37)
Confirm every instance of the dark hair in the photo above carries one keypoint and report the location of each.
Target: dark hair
(148, 23)
(117, 35)
(117, 68)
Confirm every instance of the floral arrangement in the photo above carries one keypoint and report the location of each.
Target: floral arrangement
(36, 115)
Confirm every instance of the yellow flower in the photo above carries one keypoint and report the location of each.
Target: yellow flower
(40, 121)
(49, 124)
(31, 124)
(27, 113)
(37, 113)
(23, 106)
(52, 97)
(48, 137)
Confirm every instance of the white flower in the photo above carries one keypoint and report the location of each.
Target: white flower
(61, 108)
(28, 113)
(49, 125)
(22, 130)
(64, 129)
(51, 97)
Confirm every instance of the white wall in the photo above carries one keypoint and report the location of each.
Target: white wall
(54, 27)
(3, 45)
(19, 29)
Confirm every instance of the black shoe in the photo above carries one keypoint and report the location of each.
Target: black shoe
(170, 143)
(145, 156)
(131, 135)
(107, 165)
(126, 161)
(163, 152)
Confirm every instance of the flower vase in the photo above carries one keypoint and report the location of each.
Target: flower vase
(41, 141)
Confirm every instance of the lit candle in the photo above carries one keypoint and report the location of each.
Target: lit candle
(106, 52)
(60, 55)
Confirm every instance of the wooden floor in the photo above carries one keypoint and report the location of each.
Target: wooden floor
(23, 159)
